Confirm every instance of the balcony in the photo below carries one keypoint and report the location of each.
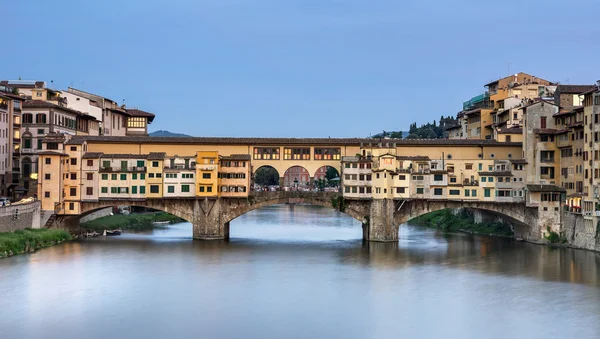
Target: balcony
(471, 183)
(4, 106)
(16, 170)
(122, 169)
(206, 167)
(179, 167)
(547, 159)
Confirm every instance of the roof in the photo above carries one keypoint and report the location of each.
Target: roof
(513, 130)
(52, 137)
(157, 155)
(11, 95)
(414, 158)
(591, 90)
(47, 104)
(453, 127)
(545, 130)
(134, 112)
(510, 76)
(574, 89)
(545, 188)
(92, 155)
(518, 161)
(497, 174)
(236, 157)
(568, 110)
(537, 102)
(74, 142)
(356, 159)
(52, 153)
(288, 141)
(123, 156)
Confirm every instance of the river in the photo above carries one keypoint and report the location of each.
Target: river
(300, 272)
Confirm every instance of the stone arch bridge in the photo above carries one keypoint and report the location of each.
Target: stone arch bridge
(380, 218)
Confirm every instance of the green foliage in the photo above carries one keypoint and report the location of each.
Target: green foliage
(135, 222)
(425, 131)
(338, 203)
(554, 237)
(29, 240)
(331, 173)
(449, 222)
(266, 176)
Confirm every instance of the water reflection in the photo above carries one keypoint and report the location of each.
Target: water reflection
(300, 272)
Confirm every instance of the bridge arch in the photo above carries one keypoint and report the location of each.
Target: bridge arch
(179, 208)
(296, 177)
(266, 175)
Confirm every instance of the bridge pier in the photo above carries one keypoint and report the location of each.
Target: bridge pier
(209, 220)
(381, 226)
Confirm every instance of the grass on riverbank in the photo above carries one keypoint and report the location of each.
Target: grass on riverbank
(29, 240)
(133, 222)
(462, 222)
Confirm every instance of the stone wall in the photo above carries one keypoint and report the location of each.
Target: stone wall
(580, 233)
(18, 217)
(97, 214)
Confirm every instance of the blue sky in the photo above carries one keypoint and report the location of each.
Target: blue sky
(311, 68)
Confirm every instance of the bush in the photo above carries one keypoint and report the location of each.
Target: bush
(136, 222)
(29, 240)
(463, 221)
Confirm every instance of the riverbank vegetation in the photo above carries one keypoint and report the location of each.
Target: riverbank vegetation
(30, 240)
(463, 221)
(131, 222)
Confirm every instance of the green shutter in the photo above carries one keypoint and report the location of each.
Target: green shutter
(104, 189)
(113, 176)
(133, 189)
(170, 189)
(133, 176)
(142, 176)
(123, 176)
(105, 177)
(142, 189)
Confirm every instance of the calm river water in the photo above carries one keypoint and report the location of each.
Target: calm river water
(300, 272)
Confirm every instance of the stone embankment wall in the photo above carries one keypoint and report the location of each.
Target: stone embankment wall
(19, 217)
(97, 214)
(580, 234)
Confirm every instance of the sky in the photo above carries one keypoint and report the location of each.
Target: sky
(296, 68)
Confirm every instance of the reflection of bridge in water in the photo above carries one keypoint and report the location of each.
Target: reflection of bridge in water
(380, 219)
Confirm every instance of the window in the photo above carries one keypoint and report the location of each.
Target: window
(467, 192)
(73, 176)
(72, 191)
(124, 164)
(487, 192)
(133, 176)
(73, 161)
(27, 143)
(90, 163)
(454, 192)
(47, 176)
(491, 179)
(155, 164)
(150, 175)
(154, 189)
(73, 148)
(27, 118)
(135, 122)
(438, 177)
(48, 161)
(187, 175)
(402, 177)
(170, 189)
(420, 190)
(473, 193)
(400, 190)
(438, 191)
(104, 190)
(41, 131)
(296, 153)
(266, 153)
(46, 194)
(89, 191)
(39, 143)
(123, 176)
(113, 176)
(468, 166)
(140, 163)
(185, 188)
(327, 153)
(483, 179)
(142, 189)
(142, 176)
(209, 189)
(40, 118)
(507, 138)
(89, 176)
(542, 122)
(71, 206)
(205, 175)
(104, 176)
(453, 179)
(105, 164)
(133, 189)
(201, 189)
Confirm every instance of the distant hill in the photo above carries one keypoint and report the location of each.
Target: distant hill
(162, 133)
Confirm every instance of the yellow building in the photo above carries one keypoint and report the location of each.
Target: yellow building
(207, 170)
(154, 176)
(234, 175)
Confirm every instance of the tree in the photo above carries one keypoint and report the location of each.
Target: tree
(266, 176)
(331, 173)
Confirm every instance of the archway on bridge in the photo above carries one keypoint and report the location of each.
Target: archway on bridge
(266, 178)
(469, 220)
(327, 178)
(297, 178)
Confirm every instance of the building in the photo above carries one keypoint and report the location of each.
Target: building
(10, 134)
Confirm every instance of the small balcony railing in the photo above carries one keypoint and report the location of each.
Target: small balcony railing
(546, 159)
(3, 106)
